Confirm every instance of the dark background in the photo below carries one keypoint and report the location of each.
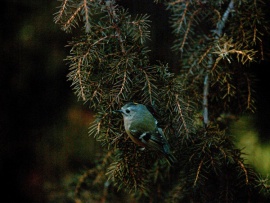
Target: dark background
(43, 129)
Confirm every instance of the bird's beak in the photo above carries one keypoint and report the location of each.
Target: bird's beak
(118, 111)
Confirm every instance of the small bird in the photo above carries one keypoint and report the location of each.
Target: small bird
(141, 127)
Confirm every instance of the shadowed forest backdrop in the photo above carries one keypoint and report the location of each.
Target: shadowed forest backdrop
(44, 130)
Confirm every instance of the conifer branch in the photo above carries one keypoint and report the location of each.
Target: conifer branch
(188, 29)
(142, 32)
(205, 54)
(109, 65)
(149, 87)
(80, 79)
(221, 23)
(244, 169)
(122, 88)
(114, 20)
(181, 20)
(205, 100)
(198, 172)
(179, 110)
(249, 93)
(61, 12)
(218, 31)
(86, 15)
(70, 21)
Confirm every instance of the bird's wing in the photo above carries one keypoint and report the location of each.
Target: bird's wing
(159, 139)
(155, 140)
(139, 137)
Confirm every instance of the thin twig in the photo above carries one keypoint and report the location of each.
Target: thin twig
(69, 21)
(181, 20)
(80, 78)
(205, 100)
(221, 23)
(188, 29)
(111, 11)
(244, 169)
(198, 172)
(86, 11)
(181, 113)
(61, 12)
(149, 86)
(218, 31)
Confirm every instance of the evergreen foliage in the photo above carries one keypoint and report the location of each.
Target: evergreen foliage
(109, 66)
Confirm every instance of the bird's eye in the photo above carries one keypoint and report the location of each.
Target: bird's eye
(127, 111)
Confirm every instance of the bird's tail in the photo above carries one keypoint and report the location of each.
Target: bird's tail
(171, 159)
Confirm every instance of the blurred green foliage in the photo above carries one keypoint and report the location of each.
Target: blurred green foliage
(256, 152)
